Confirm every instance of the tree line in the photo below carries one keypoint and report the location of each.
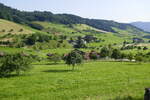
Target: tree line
(20, 62)
(24, 17)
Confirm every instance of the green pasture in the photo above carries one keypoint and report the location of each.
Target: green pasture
(90, 81)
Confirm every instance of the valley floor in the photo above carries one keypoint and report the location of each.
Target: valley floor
(90, 81)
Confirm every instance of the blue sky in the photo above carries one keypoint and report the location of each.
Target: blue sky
(118, 10)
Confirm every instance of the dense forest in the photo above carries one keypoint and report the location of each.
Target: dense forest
(24, 17)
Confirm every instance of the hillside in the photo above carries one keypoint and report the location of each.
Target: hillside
(82, 30)
(61, 28)
(142, 25)
(23, 17)
(49, 56)
(71, 31)
(12, 28)
(55, 27)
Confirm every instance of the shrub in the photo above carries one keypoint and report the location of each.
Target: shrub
(139, 48)
(3, 30)
(130, 56)
(36, 58)
(90, 38)
(21, 30)
(148, 54)
(128, 47)
(145, 48)
(139, 57)
(123, 56)
(36, 26)
(105, 52)
(14, 63)
(37, 37)
(63, 44)
(11, 30)
(54, 57)
(94, 55)
(116, 54)
(80, 43)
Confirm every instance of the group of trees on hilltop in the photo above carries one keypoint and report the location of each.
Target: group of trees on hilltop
(26, 17)
(23, 17)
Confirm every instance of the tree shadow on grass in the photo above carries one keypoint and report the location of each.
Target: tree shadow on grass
(53, 64)
(14, 75)
(128, 98)
(58, 71)
(49, 64)
(134, 64)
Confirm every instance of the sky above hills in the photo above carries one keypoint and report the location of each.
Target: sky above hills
(118, 10)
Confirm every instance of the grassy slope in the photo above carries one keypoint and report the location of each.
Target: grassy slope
(57, 27)
(108, 37)
(67, 29)
(92, 81)
(82, 27)
(130, 32)
(64, 29)
(10, 50)
(41, 53)
(7, 26)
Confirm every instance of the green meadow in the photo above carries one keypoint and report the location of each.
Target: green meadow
(93, 80)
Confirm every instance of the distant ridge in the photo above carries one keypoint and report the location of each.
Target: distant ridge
(143, 25)
(24, 17)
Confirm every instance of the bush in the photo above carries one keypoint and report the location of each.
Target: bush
(124, 56)
(11, 30)
(3, 30)
(36, 26)
(130, 56)
(139, 48)
(94, 55)
(37, 37)
(116, 54)
(14, 63)
(21, 30)
(54, 57)
(36, 58)
(80, 43)
(106, 52)
(145, 48)
(139, 58)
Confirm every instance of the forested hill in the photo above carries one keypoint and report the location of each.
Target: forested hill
(24, 17)
(143, 25)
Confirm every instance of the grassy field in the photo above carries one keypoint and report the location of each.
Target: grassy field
(108, 40)
(91, 81)
(7, 26)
